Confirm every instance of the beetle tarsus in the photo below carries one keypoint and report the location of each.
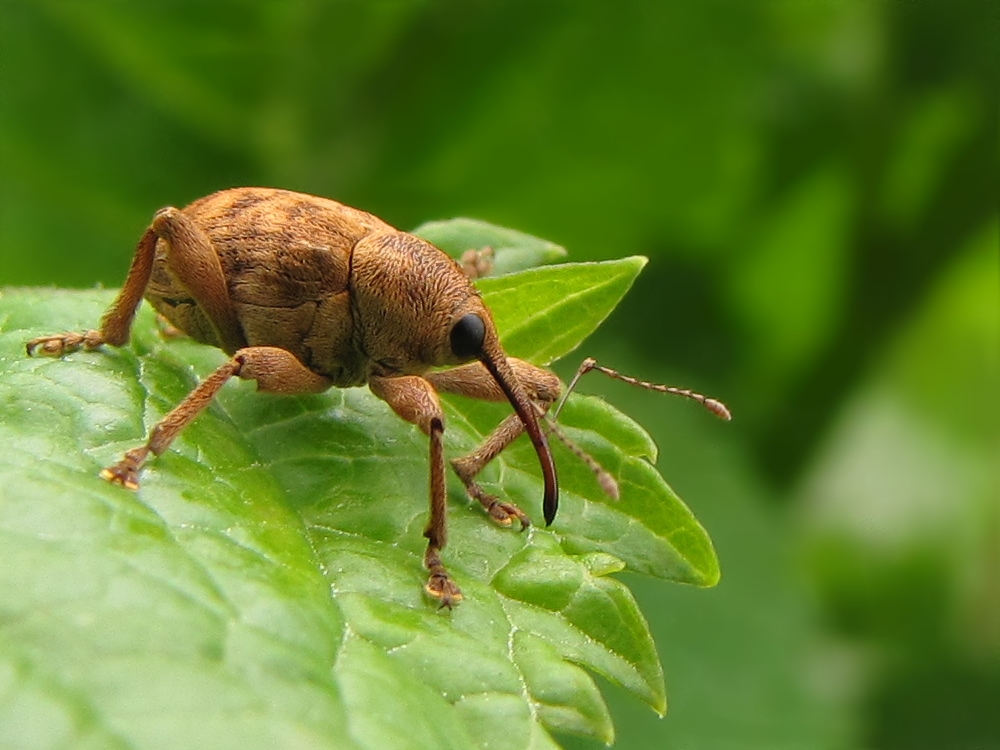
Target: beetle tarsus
(478, 263)
(442, 588)
(440, 584)
(504, 513)
(500, 511)
(125, 473)
(63, 343)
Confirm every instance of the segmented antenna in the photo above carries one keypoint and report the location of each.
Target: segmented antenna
(604, 478)
(716, 407)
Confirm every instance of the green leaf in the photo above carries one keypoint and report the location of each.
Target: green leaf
(513, 250)
(264, 586)
(545, 313)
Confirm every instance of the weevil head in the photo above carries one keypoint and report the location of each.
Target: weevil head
(414, 309)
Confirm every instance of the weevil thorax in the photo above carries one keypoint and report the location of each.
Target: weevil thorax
(406, 298)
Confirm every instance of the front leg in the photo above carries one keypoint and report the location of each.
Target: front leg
(413, 399)
(475, 381)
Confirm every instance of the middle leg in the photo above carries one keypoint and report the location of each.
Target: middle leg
(275, 371)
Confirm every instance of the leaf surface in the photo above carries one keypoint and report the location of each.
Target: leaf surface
(544, 313)
(513, 250)
(264, 586)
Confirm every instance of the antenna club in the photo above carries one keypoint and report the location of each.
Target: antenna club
(608, 484)
(718, 408)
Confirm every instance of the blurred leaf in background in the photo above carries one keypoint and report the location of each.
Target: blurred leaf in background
(815, 185)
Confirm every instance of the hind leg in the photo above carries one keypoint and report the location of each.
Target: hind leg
(193, 261)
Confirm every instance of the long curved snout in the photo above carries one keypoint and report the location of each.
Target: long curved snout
(496, 362)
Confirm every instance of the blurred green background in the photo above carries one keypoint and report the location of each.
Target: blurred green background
(816, 186)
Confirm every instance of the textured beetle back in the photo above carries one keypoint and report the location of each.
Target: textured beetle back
(286, 260)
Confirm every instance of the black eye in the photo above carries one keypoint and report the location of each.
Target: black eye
(467, 336)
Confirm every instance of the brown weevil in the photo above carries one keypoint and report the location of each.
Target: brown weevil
(305, 294)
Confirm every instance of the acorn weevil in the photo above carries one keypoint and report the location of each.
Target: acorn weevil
(306, 294)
